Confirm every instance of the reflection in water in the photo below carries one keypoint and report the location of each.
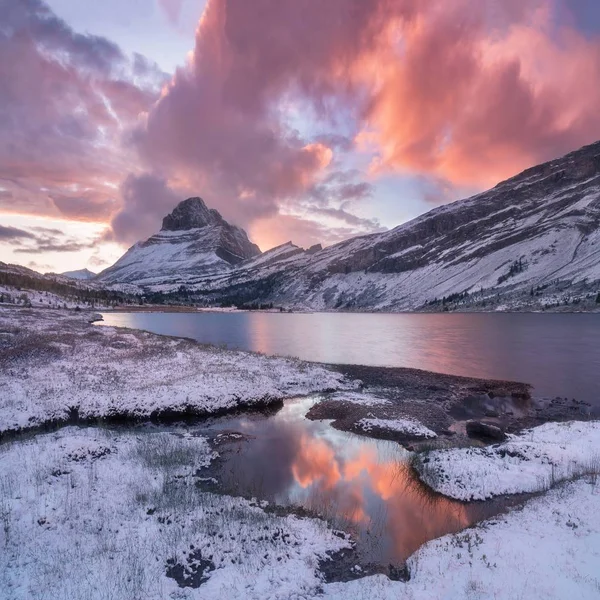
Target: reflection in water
(360, 485)
(557, 353)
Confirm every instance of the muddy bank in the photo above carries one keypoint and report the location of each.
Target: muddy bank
(459, 410)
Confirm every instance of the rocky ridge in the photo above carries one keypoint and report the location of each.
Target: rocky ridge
(532, 240)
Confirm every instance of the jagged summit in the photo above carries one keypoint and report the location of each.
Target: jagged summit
(195, 241)
(191, 214)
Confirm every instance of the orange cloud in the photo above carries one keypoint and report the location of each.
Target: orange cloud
(314, 462)
(473, 101)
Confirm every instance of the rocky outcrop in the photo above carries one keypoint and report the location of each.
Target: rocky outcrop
(233, 243)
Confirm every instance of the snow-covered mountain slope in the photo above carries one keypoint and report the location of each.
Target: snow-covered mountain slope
(194, 241)
(22, 286)
(81, 274)
(534, 235)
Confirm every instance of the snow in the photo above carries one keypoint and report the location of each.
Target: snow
(169, 256)
(80, 274)
(365, 398)
(56, 364)
(99, 514)
(37, 299)
(550, 549)
(404, 426)
(528, 462)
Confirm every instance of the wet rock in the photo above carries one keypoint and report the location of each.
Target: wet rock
(485, 431)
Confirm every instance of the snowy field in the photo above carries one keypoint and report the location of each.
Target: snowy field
(100, 513)
(534, 460)
(110, 515)
(54, 365)
(97, 514)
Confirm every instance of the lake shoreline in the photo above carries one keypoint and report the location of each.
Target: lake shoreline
(115, 483)
(440, 402)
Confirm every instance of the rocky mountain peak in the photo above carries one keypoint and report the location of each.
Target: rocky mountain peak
(191, 214)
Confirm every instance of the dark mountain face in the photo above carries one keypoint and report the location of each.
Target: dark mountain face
(192, 214)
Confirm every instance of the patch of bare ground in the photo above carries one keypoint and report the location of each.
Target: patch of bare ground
(460, 410)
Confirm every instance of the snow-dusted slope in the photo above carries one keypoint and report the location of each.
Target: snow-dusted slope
(194, 241)
(537, 234)
(81, 274)
(540, 229)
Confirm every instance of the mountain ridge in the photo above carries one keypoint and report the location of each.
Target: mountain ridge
(538, 230)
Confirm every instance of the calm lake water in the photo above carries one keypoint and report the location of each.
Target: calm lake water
(559, 354)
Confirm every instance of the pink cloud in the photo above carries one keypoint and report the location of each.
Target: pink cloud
(452, 91)
(466, 93)
(66, 100)
(473, 102)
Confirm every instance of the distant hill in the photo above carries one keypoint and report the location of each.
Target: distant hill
(81, 274)
(25, 287)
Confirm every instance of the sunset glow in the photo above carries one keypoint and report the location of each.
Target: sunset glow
(297, 120)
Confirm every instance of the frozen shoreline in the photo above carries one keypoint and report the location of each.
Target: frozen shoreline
(87, 509)
(57, 368)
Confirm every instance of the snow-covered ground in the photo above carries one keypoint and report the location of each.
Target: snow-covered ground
(531, 461)
(548, 550)
(365, 398)
(99, 514)
(55, 365)
(110, 514)
(408, 427)
(115, 514)
(36, 299)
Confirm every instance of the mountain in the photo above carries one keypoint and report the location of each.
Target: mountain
(81, 274)
(531, 241)
(194, 241)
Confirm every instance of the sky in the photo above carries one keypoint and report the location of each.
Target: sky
(297, 119)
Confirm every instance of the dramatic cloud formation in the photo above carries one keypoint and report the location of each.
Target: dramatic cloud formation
(463, 92)
(65, 99)
(288, 113)
(474, 96)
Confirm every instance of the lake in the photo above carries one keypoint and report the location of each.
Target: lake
(559, 354)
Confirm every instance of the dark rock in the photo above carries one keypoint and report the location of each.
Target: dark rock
(193, 573)
(486, 431)
(399, 573)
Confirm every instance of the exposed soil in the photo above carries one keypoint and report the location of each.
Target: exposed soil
(444, 404)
